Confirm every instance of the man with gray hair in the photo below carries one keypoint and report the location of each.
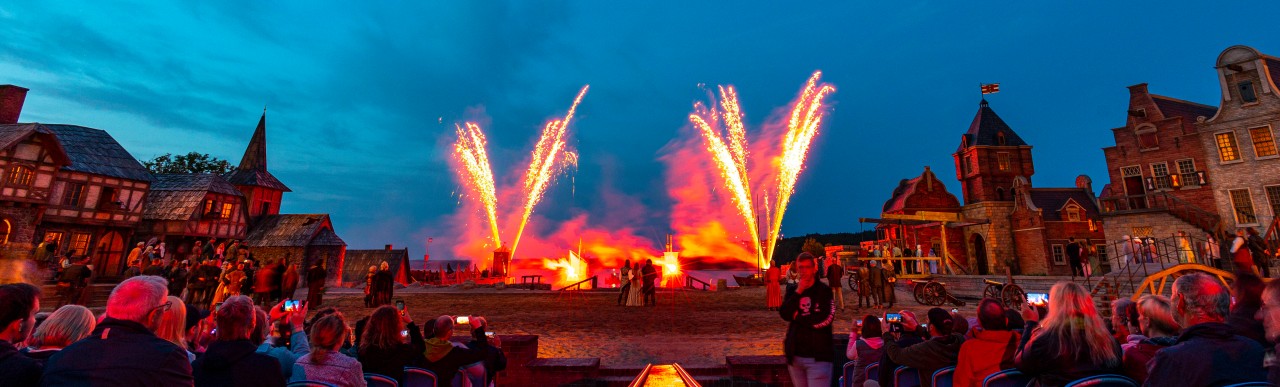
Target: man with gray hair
(124, 350)
(1207, 353)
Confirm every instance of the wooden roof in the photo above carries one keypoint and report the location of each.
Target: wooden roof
(355, 264)
(293, 230)
(12, 134)
(178, 196)
(95, 151)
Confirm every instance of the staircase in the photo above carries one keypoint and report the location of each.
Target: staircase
(1207, 221)
(95, 296)
(1124, 281)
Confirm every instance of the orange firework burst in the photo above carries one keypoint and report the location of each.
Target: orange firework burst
(549, 158)
(476, 173)
(569, 270)
(730, 155)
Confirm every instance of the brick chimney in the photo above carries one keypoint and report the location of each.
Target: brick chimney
(11, 99)
(388, 247)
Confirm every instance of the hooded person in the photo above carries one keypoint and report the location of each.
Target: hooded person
(444, 358)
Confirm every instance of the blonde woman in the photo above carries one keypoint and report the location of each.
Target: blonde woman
(1071, 343)
(1156, 322)
(173, 325)
(66, 325)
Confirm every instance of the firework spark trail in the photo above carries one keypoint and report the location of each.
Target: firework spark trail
(470, 150)
(731, 158)
(549, 158)
(732, 169)
(806, 116)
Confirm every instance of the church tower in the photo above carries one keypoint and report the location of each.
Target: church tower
(990, 157)
(262, 192)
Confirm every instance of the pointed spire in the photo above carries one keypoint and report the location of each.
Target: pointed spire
(255, 156)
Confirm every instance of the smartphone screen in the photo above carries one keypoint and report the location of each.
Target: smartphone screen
(489, 334)
(400, 305)
(463, 320)
(893, 318)
(404, 333)
(290, 305)
(1037, 298)
(858, 322)
(955, 310)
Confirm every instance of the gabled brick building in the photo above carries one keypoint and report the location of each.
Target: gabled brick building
(922, 193)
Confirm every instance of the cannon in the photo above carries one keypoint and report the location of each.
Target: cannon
(1009, 294)
(930, 292)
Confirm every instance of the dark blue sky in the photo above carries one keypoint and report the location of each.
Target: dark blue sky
(361, 98)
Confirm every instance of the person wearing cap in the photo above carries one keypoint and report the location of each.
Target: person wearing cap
(136, 254)
(810, 311)
(940, 351)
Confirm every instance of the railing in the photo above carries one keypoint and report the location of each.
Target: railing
(1154, 255)
(578, 285)
(1164, 201)
(690, 280)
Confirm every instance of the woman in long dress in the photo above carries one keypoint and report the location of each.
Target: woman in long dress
(773, 287)
(636, 298)
(1185, 253)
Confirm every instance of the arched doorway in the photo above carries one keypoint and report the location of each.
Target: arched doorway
(980, 253)
(108, 257)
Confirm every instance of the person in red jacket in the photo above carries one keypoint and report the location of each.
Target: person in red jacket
(991, 349)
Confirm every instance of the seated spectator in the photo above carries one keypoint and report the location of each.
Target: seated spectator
(285, 340)
(1015, 321)
(961, 324)
(325, 363)
(931, 355)
(443, 357)
(123, 349)
(1158, 328)
(1124, 314)
(1207, 352)
(494, 360)
(66, 325)
(173, 325)
(1247, 290)
(384, 349)
(18, 306)
(1269, 313)
(1072, 343)
(865, 343)
(991, 349)
(232, 360)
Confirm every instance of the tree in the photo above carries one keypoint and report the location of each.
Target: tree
(814, 248)
(193, 162)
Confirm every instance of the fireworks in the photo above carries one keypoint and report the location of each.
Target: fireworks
(725, 136)
(569, 270)
(550, 157)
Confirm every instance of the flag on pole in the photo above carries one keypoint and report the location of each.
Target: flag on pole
(990, 88)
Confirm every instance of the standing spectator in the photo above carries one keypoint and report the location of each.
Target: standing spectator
(991, 349)
(1258, 249)
(123, 350)
(1185, 253)
(325, 363)
(773, 287)
(938, 352)
(289, 283)
(809, 312)
(1158, 328)
(1073, 257)
(834, 273)
(1270, 316)
(1240, 253)
(636, 298)
(390, 342)
(1207, 353)
(233, 360)
(494, 360)
(369, 296)
(1211, 250)
(72, 282)
(154, 266)
(650, 274)
(135, 255)
(262, 286)
(247, 287)
(623, 274)
(384, 284)
(1126, 250)
(286, 340)
(66, 325)
(890, 280)
(865, 347)
(443, 358)
(173, 325)
(315, 284)
(1072, 343)
(46, 253)
(1247, 296)
(18, 306)
(277, 278)
(134, 270)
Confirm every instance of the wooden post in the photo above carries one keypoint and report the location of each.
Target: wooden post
(946, 261)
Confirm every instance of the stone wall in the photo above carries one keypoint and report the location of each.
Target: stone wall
(1156, 224)
(998, 234)
(22, 222)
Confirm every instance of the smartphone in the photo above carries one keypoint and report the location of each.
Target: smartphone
(291, 305)
(1038, 299)
(955, 310)
(400, 305)
(462, 320)
(893, 318)
(858, 322)
(404, 333)
(488, 334)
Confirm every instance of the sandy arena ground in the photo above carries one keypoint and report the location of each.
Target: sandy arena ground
(694, 328)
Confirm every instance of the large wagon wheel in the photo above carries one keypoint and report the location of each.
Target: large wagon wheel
(851, 277)
(917, 291)
(934, 294)
(1013, 297)
(991, 291)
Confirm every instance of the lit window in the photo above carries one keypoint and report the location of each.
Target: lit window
(1059, 255)
(1246, 92)
(20, 175)
(1243, 205)
(1003, 161)
(1227, 146)
(80, 243)
(1263, 143)
(226, 210)
(1000, 139)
